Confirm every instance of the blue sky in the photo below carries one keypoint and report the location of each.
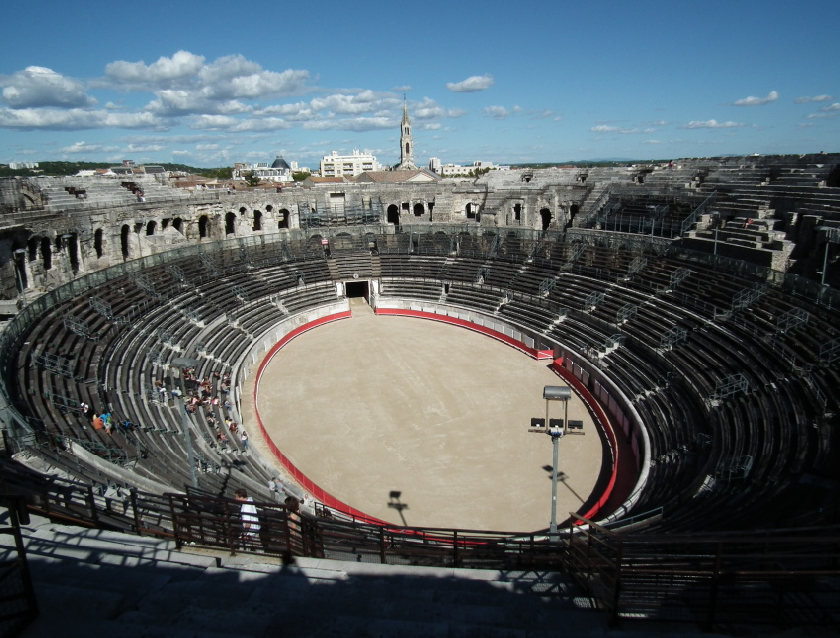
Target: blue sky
(213, 83)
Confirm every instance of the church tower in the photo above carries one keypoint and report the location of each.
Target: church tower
(406, 142)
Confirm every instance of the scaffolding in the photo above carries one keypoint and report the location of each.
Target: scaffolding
(677, 277)
(546, 286)
(791, 320)
(637, 265)
(626, 312)
(79, 327)
(672, 337)
(728, 386)
(747, 297)
(55, 363)
(593, 300)
(481, 275)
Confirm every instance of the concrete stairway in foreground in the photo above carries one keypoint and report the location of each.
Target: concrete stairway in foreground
(98, 583)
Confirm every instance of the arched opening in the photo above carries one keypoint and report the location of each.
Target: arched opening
(73, 249)
(46, 253)
(242, 210)
(418, 209)
(574, 209)
(393, 215)
(283, 218)
(97, 242)
(545, 217)
(407, 147)
(125, 233)
(230, 224)
(177, 223)
(471, 210)
(20, 266)
(269, 208)
(32, 245)
(203, 227)
(257, 225)
(517, 212)
(150, 228)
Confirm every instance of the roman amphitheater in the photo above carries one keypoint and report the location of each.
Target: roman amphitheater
(386, 348)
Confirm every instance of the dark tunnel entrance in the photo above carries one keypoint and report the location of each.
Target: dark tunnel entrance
(357, 289)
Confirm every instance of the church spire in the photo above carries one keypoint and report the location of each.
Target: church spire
(406, 141)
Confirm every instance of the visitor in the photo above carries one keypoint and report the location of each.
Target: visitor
(248, 515)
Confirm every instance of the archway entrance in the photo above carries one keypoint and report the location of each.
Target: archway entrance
(394, 215)
(230, 224)
(357, 289)
(545, 218)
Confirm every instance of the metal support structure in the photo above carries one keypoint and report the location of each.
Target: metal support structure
(728, 386)
(546, 286)
(792, 319)
(677, 277)
(626, 312)
(672, 337)
(79, 327)
(593, 300)
(481, 275)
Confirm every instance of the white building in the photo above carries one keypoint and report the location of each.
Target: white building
(15, 166)
(335, 165)
(446, 170)
(278, 171)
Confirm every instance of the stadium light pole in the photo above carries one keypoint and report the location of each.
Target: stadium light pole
(556, 432)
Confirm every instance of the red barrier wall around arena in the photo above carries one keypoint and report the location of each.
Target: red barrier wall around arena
(495, 334)
(300, 477)
(329, 500)
(594, 407)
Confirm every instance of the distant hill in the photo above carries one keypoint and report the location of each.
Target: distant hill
(59, 169)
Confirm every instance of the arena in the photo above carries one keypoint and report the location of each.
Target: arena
(691, 309)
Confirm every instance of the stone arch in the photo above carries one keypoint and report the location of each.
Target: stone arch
(257, 225)
(471, 210)
(283, 216)
(177, 224)
(46, 252)
(203, 227)
(73, 250)
(150, 228)
(32, 246)
(574, 209)
(419, 209)
(97, 243)
(125, 238)
(230, 223)
(545, 218)
(269, 208)
(517, 212)
(393, 215)
(22, 280)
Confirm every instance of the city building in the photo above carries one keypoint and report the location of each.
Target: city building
(335, 165)
(278, 171)
(406, 143)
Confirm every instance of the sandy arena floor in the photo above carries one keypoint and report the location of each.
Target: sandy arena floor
(372, 405)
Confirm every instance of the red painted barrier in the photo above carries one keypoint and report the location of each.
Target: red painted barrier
(318, 493)
(495, 334)
(601, 417)
(594, 407)
(329, 500)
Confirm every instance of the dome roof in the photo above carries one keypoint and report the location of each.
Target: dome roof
(279, 162)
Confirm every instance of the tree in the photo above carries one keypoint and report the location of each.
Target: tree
(300, 176)
(251, 178)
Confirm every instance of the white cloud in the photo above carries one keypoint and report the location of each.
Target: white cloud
(165, 73)
(362, 102)
(37, 86)
(180, 153)
(603, 128)
(711, 124)
(651, 142)
(76, 119)
(357, 124)
(474, 83)
(84, 147)
(833, 107)
(428, 109)
(817, 98)
(758, 101)
(499, 112)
